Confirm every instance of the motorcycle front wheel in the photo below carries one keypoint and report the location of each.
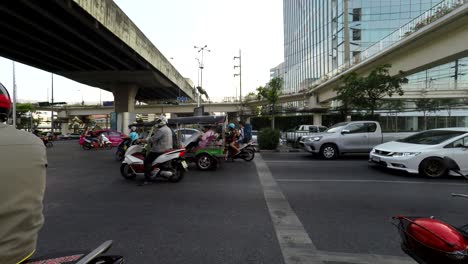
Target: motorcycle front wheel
(127, 172)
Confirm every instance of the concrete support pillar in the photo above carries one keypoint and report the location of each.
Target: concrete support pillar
(64, 128)
(414, 123)
(124, 105)
(318, 119)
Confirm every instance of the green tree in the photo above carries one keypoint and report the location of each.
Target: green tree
(271, 93)
(367, 92)
(448, 104)
(250, 97)
(394, 107)
(24, 114)
(75, 124)
(426, 106)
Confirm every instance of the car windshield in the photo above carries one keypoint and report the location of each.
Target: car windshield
(432, 137)
(336, 127)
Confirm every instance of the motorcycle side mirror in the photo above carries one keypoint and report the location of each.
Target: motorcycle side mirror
(452, 165)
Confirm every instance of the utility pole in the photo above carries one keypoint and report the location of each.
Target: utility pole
(52, 106)
(239, 74)
(14, 95)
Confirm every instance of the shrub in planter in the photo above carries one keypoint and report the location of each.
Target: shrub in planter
(268, 138)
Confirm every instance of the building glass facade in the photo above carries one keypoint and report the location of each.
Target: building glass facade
(314, 34)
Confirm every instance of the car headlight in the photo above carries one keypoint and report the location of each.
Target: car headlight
(405, 154)
(311, 139)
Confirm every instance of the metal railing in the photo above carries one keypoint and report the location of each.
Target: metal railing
(435, 13)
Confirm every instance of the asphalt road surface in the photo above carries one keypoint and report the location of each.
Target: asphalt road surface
(281, 208)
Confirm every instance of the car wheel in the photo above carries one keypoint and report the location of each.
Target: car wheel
(329, 151)
(432, 168)
(204, 162)
(126, 171)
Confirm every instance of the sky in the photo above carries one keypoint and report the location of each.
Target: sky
(175, 27)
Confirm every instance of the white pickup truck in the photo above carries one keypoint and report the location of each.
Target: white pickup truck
(293, 135)
(348, 137)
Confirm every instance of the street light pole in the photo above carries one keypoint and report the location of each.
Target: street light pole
(240, 74)
(52, 106)
(201, 66)
(14, 95)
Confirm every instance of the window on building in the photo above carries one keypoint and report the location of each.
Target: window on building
(357, 12)
(356, 34)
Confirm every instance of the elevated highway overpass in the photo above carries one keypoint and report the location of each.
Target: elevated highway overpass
(71, 111)
(408, 50)
(92, 42)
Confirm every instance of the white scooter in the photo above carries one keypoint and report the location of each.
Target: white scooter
(170, 165)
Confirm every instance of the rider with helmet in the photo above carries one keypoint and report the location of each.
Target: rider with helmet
(160, 142)
(232, 137)
(22, 186)
(133, 135)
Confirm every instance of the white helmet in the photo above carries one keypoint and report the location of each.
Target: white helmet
(161, 121)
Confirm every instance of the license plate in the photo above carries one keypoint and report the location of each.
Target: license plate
(184, 164)
(376, 159)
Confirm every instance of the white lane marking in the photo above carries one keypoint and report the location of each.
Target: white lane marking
(372, 181)
(363, 258)
(296, 245)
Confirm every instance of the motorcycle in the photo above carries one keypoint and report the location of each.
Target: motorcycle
(93, 257)
(47, 142)
(122, 148)
(170, 165)
(247, 152)
(89, 143)
(428, 240)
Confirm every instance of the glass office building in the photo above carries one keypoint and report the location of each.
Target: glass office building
(314, 33)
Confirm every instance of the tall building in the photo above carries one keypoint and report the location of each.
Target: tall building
(277, 72)
(315, 32)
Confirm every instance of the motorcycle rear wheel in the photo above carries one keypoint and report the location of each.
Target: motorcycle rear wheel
(178, 174)
(248, 154)
(86, 146)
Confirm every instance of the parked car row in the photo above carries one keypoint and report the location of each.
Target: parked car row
(418, 153)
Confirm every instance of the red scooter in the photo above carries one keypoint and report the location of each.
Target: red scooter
(431, 241)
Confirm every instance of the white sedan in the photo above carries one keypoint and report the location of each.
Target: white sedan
(424, 152)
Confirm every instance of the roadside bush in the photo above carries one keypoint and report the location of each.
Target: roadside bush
(268, 138)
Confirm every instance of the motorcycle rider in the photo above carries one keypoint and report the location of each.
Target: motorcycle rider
(22, 185)
(160, 142)
(232, 137)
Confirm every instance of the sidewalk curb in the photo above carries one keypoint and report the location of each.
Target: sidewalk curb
(280, 150)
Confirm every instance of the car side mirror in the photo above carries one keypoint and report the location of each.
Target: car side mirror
(345, 131)
(450, 164)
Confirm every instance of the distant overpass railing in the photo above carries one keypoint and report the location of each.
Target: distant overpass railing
(433, 14)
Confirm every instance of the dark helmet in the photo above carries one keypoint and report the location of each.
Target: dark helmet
(5, 104)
